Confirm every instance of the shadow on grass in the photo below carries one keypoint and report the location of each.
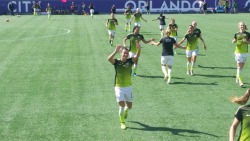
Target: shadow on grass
(174, 131)
(161, 77)
(214, 76)
(209, 67)
(192, 83)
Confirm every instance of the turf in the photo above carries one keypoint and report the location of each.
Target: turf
(56, 82)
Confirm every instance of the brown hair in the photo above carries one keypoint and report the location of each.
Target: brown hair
(241, 100)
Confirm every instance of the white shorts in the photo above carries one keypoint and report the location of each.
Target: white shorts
(111, 32)
(128, 21)
(124, 94)
(49, 12)
(190, 53)
(167, 60)
(131, 54)
(240, 57)
(175, 38)
(138, 24)
(92, 11)
(161, 27)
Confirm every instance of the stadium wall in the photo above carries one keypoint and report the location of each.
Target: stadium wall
(104, 6)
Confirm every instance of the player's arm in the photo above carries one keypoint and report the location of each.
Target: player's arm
(112, 55)
(146, 42)
(138, 53)
(124, 41)
(143, 19)
(116, 22)
(155, 43)
(107, 23)
(246, 41)
(182, 40)
(179, 46)
(205, 47)
(233, 128)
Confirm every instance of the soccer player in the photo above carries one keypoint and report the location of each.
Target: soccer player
(173, 27)
(48, 10)
(162, 23)
(137, 17)
(197, 32)
(241, 117)
(132, 48)
(242, 39)
(191, 50)
(111, 25)
(35, 8)
(72, 8)
(167, 57)
(91, 7)
(123, 84)
(128, 14)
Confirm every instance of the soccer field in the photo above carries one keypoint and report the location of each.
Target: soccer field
(56, 82)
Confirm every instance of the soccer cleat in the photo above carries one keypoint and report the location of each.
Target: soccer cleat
(123, 126)
(191, 72)
(188, 72)
(241, 84)
(125, 114)
(134, 74)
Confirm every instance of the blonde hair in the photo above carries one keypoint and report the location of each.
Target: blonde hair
(241, 100)
(245, 26)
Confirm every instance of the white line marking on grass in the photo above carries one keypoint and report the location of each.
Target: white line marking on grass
(66, 31)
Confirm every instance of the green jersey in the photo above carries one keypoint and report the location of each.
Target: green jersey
(137, 17)
(173, 32)
(123, 73)
(191, 41)
(197, 32)
(48, 8)
(133, 38)
(241, 47)
(128, 13)
(243, 115)
(112, 23)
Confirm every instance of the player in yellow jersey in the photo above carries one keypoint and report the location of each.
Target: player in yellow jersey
(191, 51)
(48, 10)
(123, 84)
(128, 14)
(242, 39)
(137, 17)
(173, 28)
(111, 25)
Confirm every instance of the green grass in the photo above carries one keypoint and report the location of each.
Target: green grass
(56, 85)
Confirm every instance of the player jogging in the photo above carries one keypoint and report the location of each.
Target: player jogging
(191, 50)
(137, 17)
(111, 25)
(123, 84)
(132, 48)
(173, 28)
(162, 23)
(167, 57)
(48, 10)
(128, 14)
(242, 39)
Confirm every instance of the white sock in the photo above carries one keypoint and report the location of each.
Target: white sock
(188, 68)
(192, 65)
(121, 110)
(163, 68)
(169, 71)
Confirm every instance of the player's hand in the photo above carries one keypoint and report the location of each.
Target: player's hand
(205, 47)
(244, 40)
(118, 48)
(152, 39)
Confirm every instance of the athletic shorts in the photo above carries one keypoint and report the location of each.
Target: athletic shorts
(175, 38)
(128, 21)
(92, 11)
(240, 57)
(131, 54)
(190, 53)
(167, 60)
(111, 32)
(161, 27)
(138, 24)
(124, 94)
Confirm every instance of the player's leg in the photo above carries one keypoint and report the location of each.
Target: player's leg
(129, 99)
(163, 67)
(189, 56)
(119, 93)
(170, 62)
(193, 60)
